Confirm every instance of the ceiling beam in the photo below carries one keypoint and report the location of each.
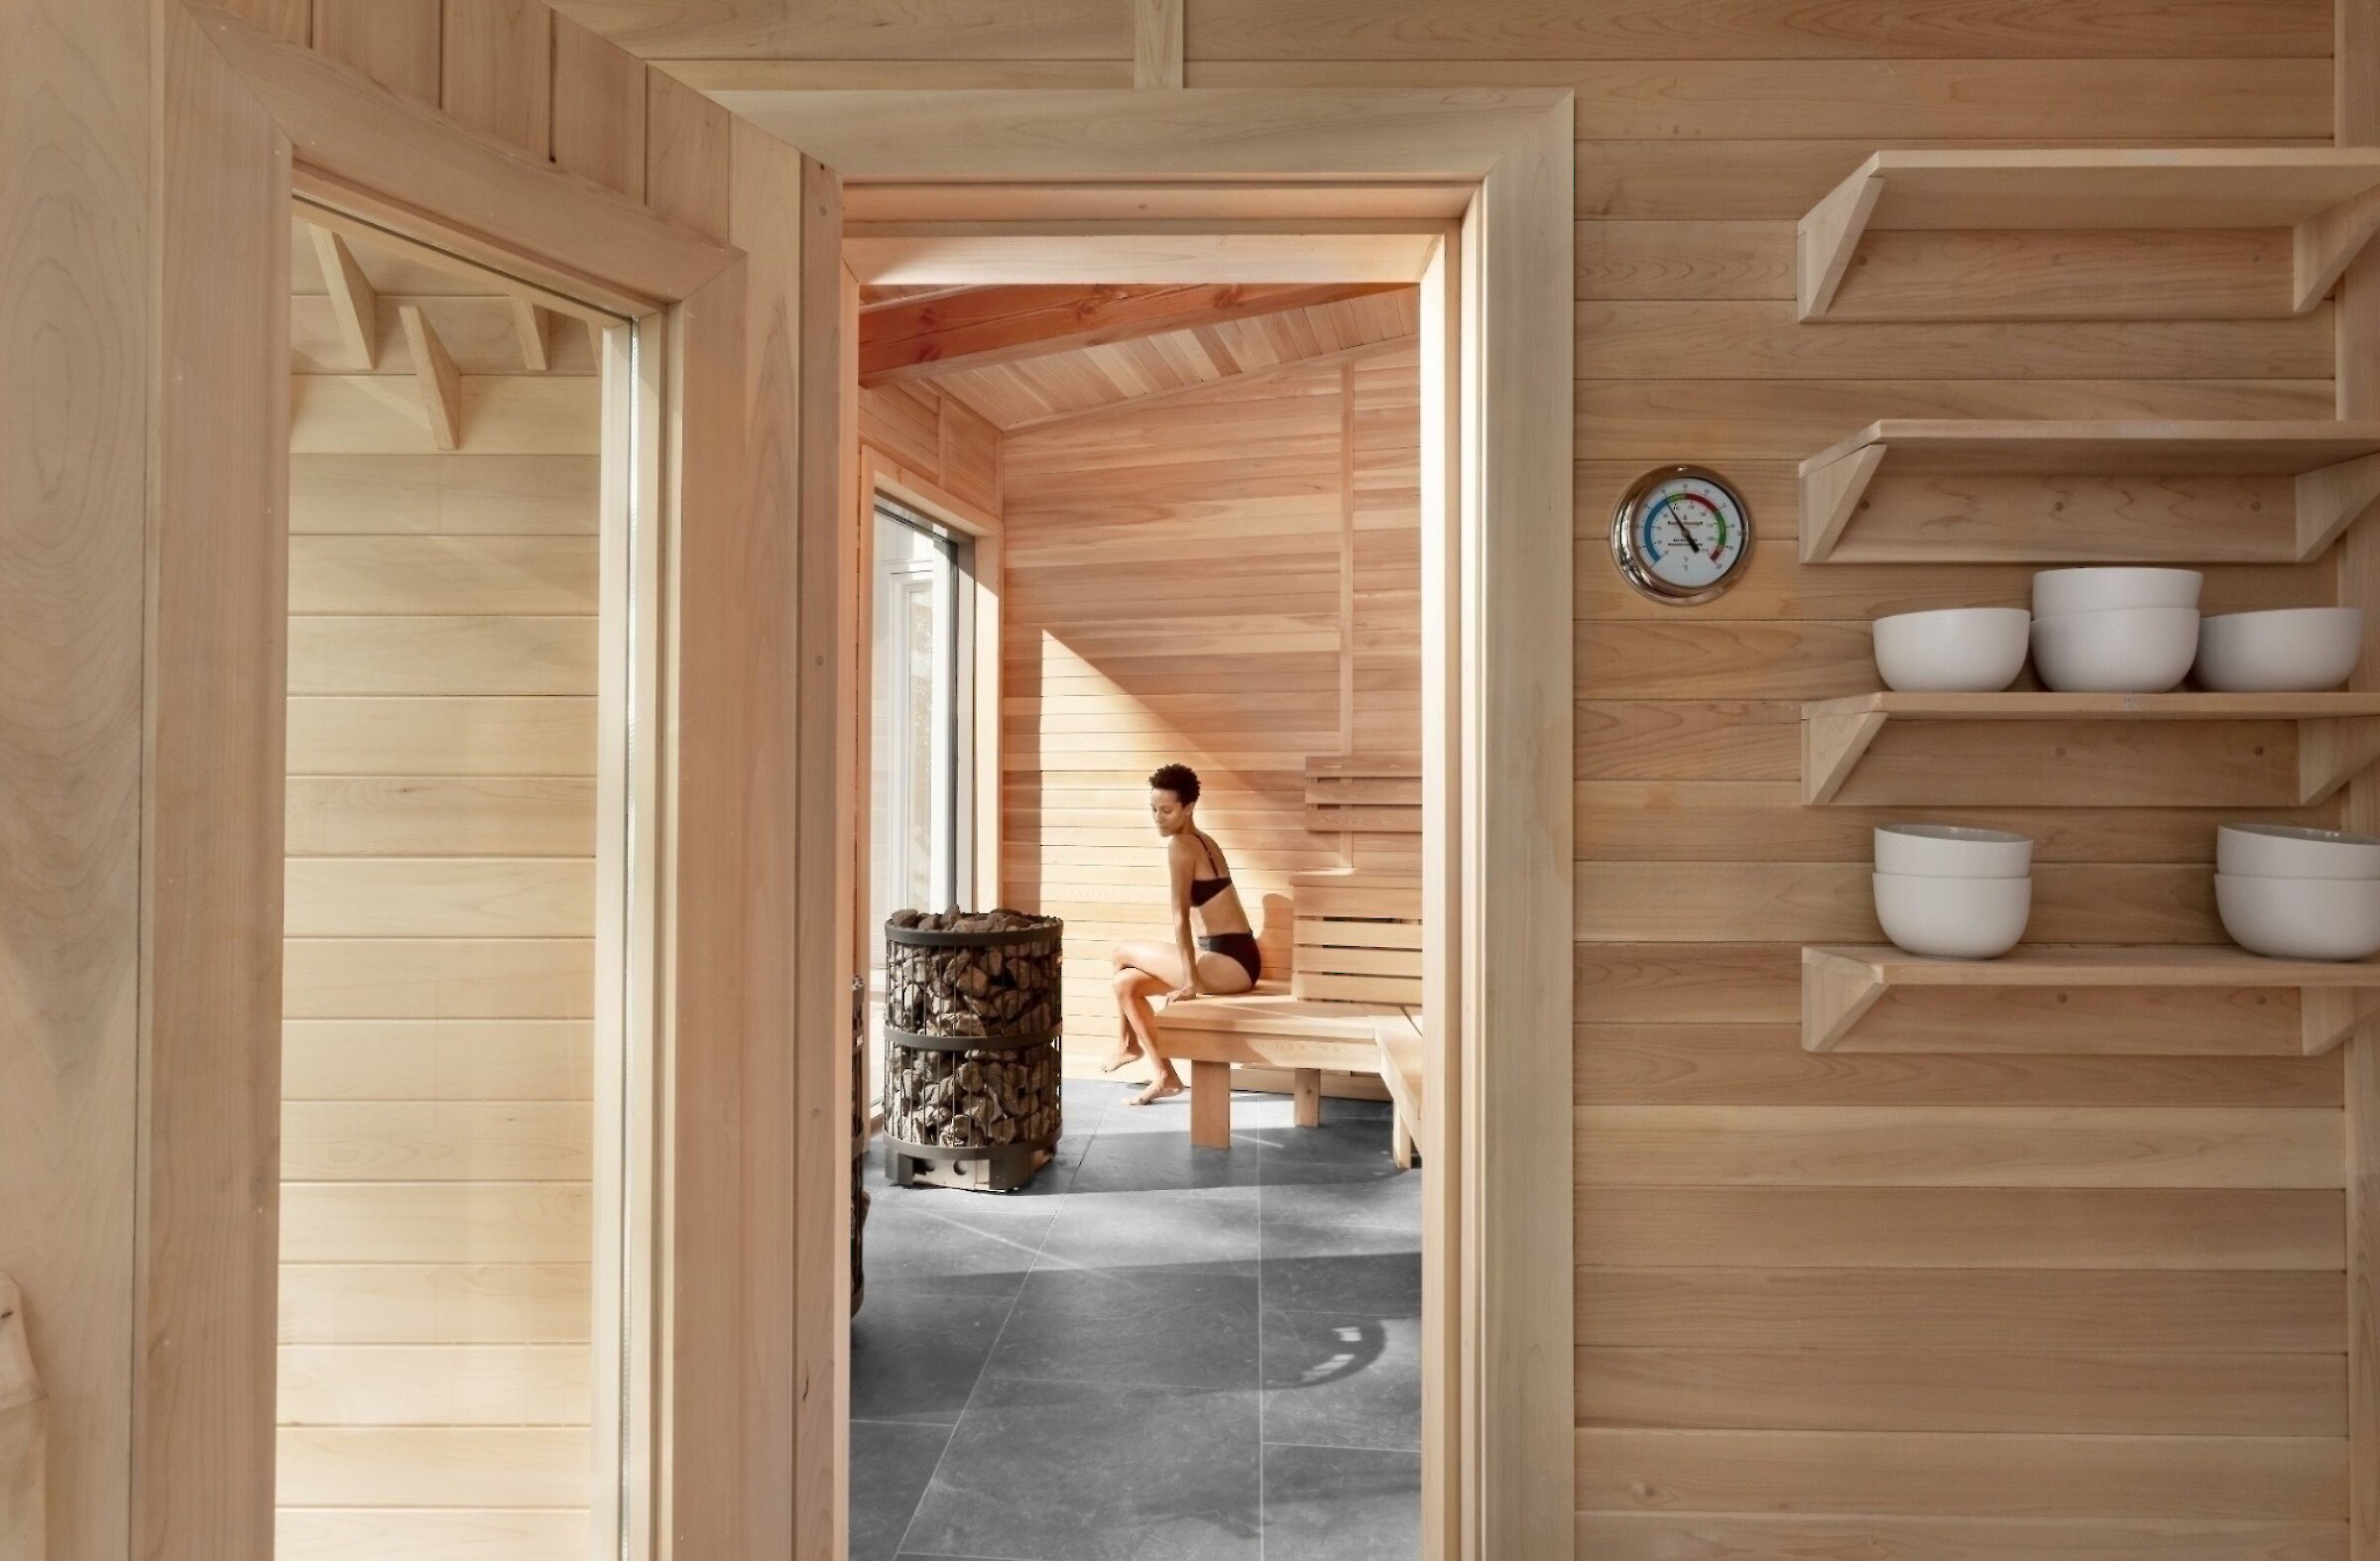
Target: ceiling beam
(1004, 324)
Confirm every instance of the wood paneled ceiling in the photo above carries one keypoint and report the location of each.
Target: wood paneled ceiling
(1027, 355)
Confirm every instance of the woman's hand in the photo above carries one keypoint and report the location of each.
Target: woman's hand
(1182, 993)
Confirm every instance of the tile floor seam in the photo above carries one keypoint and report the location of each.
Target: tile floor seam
(902, 1544)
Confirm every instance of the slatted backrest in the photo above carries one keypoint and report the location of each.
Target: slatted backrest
(1359, 936)
(1363, 794)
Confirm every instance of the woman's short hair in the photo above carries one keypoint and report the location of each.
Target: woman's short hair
(1180, 780)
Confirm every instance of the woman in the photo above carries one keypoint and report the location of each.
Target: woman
(1222, 960)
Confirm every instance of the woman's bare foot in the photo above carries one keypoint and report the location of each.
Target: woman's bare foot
(1124, 1058)
(1164, 1086)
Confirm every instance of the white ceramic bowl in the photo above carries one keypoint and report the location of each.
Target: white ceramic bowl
(2286, 851)
(1954, 917)
(2057, 592)
(1948, 851)
(2292, 649)
(2300, 917)
(2126, 651)
(1957, 650)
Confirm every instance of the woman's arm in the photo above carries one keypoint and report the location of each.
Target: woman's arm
(1182, 862)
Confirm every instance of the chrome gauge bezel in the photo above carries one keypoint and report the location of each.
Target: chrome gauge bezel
(1627, 553)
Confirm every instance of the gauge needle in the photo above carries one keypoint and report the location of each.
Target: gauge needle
(1684, 534)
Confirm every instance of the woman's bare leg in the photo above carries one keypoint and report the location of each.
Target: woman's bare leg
(1155, 959)
(1135, 988)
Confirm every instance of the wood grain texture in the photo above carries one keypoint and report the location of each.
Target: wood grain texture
(496, 69)
(393, 42)
(75, 295)
(1987, 1310)
(211, 830)
(1423, 30)
(2190, 1478)
(598, 109)
(1859, 1388)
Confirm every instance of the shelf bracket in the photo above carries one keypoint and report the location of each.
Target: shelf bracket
(441, 384)
(1827, 235)
(1835, 993)
(2331, 1016)
(353, 302)
(2332, 751)
(1832, 495)
(528, 324)
(2333, 498)
(1831, 747)
(2326, 243)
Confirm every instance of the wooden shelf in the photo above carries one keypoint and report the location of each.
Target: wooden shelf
(2324, 195)
(1840, 984)
(2337, 465)
(2338, 734)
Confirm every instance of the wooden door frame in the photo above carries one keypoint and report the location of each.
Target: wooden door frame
(1365, 183)
(252, 122)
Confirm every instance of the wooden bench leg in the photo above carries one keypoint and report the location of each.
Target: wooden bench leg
(1211, 1105)
(1400, 1142)
(1309, 1096)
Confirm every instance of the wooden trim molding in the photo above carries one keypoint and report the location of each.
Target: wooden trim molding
(361, 145)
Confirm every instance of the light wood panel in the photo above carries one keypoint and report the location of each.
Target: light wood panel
(1155, 608)
(73, 546)
(436, 1129)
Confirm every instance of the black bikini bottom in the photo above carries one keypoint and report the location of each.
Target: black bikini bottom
(1240, 947)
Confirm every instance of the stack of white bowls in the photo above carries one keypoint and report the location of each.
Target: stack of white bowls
(1957, 650)
(2298, 893)
(2290, 650)
(2115, 631)
(1950, 892)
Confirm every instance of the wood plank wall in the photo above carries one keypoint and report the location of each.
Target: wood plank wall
(439, 1049)
(938, 437)
(1229, 579)
(1792, 1262)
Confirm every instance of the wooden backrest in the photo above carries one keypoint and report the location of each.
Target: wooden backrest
(1363, 794)
(1359, 936)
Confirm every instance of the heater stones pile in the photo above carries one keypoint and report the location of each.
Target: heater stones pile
(972, 1067)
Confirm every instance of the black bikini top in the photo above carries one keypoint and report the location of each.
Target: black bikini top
(1203, 890)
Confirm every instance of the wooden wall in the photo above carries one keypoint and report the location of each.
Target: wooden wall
(1969, 1304)
(438, 1050)
(1227, 579)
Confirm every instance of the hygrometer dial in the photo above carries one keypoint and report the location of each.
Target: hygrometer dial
(1680, 533)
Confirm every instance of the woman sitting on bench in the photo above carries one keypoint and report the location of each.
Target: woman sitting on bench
(1222, 960)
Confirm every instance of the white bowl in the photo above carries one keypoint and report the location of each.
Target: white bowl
(2286, 851)
(2127, 650)
(2300, 917)
(1957, 650)
(1948, 851)
(1953, 917)
(2294, 649)
(2057, 592)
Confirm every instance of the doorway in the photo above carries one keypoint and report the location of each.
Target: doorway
(1207, 500)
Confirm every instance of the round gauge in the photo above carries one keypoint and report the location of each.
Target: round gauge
(1681, 535)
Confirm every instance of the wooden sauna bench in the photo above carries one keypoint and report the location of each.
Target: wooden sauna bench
(1266, 1027)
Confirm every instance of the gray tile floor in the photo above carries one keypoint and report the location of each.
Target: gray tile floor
(1155, 1353)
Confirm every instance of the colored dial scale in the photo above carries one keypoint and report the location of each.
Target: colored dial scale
(1689, 533)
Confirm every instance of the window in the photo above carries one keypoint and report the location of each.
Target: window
(921, 730)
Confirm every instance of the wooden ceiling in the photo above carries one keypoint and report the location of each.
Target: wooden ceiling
(1023, 355)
